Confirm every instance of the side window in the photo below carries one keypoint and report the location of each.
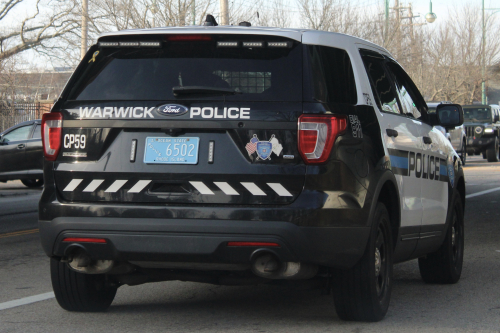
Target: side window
(38, 132)
(333, 77)
(383, 90)
(409, 101)
(18, 134)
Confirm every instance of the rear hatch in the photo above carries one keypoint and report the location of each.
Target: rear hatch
(183, 119)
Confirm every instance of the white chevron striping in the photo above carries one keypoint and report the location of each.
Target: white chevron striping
(116, 186)
(254, 189)
(139, 186)
(72, 185)
(93, 185)
(201, 187)
(226, 188)
(280, 189)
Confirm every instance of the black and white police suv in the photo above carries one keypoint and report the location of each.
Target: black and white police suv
(240, 155)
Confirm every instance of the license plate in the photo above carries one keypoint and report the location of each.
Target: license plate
(171, 150)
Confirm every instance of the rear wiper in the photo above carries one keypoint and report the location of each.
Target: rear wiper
(186, 90)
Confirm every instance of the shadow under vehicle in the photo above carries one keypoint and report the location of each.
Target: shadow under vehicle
(483, 132)
(21, 154)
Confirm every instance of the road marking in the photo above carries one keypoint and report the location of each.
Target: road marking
(26, 300)
(19, 233)
(482, 192)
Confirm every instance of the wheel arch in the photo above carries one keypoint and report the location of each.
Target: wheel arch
(387, 193)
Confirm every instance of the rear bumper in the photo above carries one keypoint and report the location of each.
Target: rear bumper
(191, 240)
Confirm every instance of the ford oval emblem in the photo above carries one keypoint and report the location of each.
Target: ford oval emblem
(172, 110)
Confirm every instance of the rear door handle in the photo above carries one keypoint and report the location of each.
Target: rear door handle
(391, 132)
(427, 140)
(21, 146)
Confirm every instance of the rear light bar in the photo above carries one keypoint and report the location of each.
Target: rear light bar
(154, 44)
(51, 134)
(317, 135)
(252, 244)
(84, 240)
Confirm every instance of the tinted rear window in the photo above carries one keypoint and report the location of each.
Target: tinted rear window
(257, 74)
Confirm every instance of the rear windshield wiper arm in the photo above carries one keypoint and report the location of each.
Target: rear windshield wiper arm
(187, 90)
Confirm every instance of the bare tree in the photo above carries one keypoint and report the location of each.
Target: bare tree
(38, 30)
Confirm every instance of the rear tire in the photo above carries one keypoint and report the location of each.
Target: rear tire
(492, 152)
(445, 265)
(32, 182)
(80, 292)
(363, 292)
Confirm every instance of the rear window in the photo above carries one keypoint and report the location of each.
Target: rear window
(254, 73)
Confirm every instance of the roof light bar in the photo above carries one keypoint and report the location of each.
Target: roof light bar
(129, 44)
(150, 44)
(109, 44)
(279, 44)
(253, 44)
(228, 44)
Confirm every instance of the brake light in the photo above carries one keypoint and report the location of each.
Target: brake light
(85, 240)
(189, 38)
(317, 134)
(51, 134)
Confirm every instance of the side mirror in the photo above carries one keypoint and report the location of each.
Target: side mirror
(450, 115)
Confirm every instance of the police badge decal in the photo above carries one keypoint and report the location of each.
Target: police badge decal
(264, 149)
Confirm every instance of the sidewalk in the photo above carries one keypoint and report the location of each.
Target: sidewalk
(16, 188)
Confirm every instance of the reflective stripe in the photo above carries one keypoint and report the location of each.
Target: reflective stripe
(280, 190)
(226, 188)
(201, 187)
(254, 189)
(116, 186)
(93, 185)
(141, 184)
(72, 185)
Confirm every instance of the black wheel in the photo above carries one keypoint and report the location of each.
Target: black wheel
(32, 182)
(492, 152)
(363, 292)
(80, 292)
(463, 152)
(445, 265)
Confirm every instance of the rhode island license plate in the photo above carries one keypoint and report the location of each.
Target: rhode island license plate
(171, 150)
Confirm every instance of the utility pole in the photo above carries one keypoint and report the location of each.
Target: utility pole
(386, 5)
(224, 13)
(194, 12)
(483, 65)
(85, 14)
(484, 99)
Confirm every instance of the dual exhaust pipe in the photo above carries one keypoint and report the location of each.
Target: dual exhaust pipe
(264, 263)
(267, 265)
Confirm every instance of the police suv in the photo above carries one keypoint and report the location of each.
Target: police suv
(239, 155)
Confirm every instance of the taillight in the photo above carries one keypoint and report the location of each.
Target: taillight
(317, 134)
(51, 134)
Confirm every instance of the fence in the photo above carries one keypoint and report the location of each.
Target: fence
(16, 113)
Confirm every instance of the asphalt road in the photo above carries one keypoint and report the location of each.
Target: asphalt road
(472, 305)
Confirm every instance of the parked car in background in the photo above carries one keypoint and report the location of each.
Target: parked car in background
(457, 135)
(495, 108)
(21, 154)
(483, 132)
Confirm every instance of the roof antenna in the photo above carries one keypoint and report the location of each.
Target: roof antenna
(210, 21)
